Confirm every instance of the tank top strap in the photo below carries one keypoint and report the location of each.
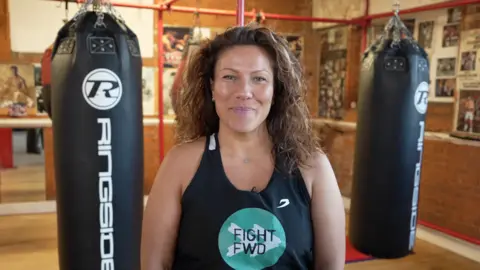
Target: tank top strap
(208, 171)
(209, 160)
(212, 143)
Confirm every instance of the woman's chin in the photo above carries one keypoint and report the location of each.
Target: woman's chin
(244, 127)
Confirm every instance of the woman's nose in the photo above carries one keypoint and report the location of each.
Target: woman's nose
(244, 90)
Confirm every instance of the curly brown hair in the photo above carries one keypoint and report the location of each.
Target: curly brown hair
(288, 122)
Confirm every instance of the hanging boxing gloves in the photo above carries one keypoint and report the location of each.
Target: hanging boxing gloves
(98, 141)
(393, 97)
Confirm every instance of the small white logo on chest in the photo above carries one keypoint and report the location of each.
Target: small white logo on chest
(283, 203)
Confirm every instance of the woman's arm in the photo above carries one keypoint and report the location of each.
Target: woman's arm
(161, 217)
(328, 215)
(163, 210)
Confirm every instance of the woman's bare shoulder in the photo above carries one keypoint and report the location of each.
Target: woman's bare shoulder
(181, 162)
(187, 151)
(315, 170)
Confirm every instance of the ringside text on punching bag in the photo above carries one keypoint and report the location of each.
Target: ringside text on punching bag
(393, 99)
(98, 141)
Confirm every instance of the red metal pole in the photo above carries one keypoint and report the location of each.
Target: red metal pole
(240, 12)
(207, 11)
(168, 3)
(365, 26)
(305, 19)
(161, 136)
(221, 12)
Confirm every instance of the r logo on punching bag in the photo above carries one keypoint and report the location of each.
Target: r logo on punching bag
(421, 98)
(421, 94)
(102, 89)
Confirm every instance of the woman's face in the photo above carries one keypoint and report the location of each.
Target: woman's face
(243, 88)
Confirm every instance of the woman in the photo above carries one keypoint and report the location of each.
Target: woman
(248, 187)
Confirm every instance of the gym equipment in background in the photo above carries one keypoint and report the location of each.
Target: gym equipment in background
(393, 99)
(96, 111)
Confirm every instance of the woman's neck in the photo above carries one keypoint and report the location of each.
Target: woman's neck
(245, 145)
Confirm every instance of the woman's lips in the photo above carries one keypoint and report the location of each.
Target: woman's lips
(242, 110)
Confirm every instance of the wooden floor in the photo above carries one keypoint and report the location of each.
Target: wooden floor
(28, 241)
(23, 184)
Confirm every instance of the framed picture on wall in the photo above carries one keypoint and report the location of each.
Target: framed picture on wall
(18, 95)
(451, 35)
(439, 36)
(467, 119)
(168, 78)
(174, 42)
(295, 44)
(176, 38)
(149, 92)
(425, 34)
(468, 62)
(467, 106)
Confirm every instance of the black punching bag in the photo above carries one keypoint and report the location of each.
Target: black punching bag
(98, 143)
(394, 86)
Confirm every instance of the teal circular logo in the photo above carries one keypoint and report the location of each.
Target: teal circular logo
(251, 238)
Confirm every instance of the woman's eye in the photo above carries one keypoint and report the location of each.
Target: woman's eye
(229, 77)
(259, 79)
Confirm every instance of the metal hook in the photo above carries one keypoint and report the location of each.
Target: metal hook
(396, 7)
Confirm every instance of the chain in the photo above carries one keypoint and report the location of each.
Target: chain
(196, 24)
(100, 7)
(396, 30)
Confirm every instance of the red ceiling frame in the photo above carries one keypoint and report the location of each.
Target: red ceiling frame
(364, 21)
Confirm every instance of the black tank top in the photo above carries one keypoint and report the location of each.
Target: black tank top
(222, 227)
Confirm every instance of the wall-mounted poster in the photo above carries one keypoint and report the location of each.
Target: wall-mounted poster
(332, 84)
(468, 76)
(425, 34)
(296, 45)
(450, 36)
(17, 90)
(468, 116)
(410, 24)
(446, 67)
(454, 15)
(174, 42)
(168, 78)
(467, 111)
(148, 90)
(445, 87)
